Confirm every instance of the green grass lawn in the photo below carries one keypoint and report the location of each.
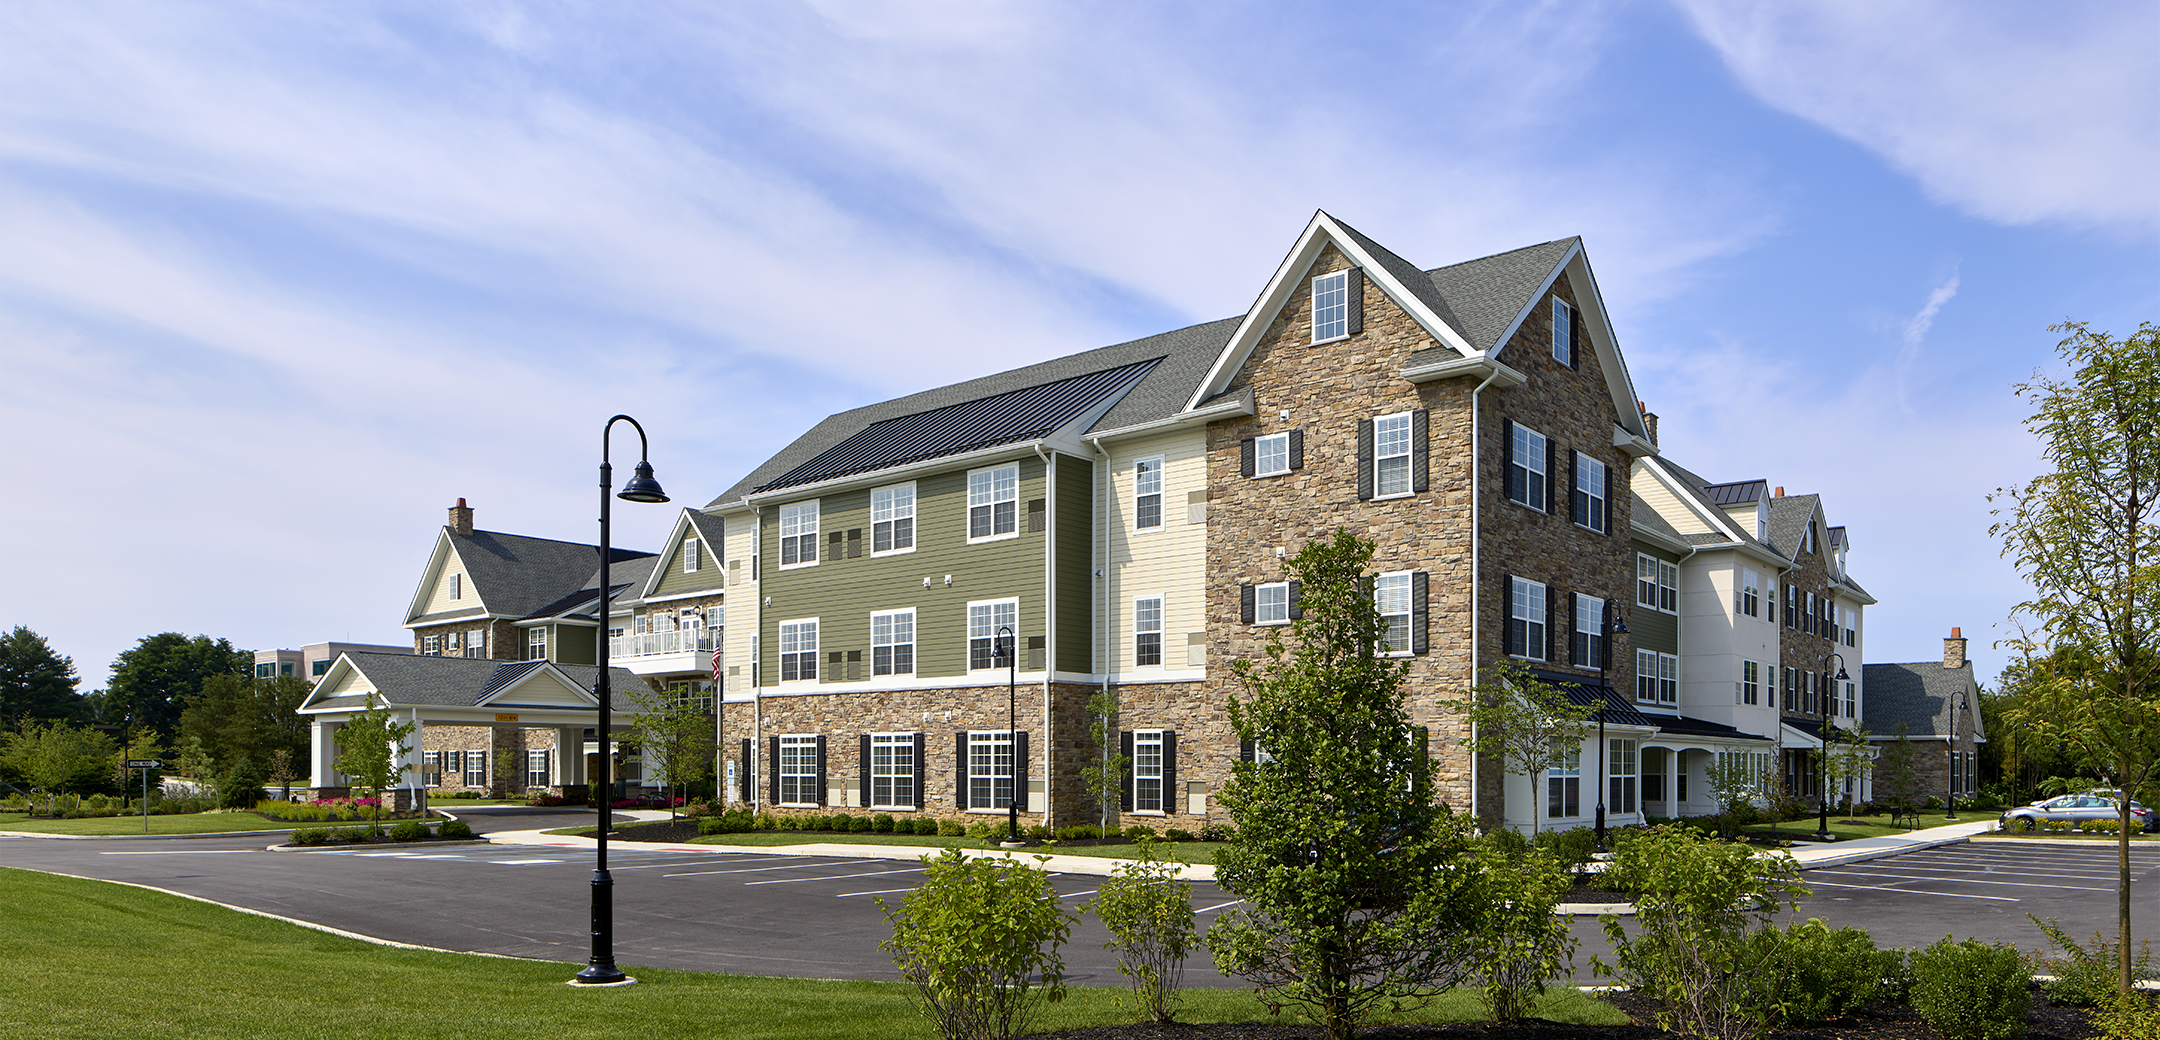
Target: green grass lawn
(95, 960)
(1183, 851)
(190, 823)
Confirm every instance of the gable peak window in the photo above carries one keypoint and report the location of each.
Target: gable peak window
(1147, 492)
(799, 533)
(691, 558)
(994, 502)
(1333, 308)
(457, 586)
(1563, 332)
(892, 518)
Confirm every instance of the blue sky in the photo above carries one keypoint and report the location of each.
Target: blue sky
(279, 282)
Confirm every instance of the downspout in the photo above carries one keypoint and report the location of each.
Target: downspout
(752, 778)
(1477, 600)
(1102, 593)
(1049, 744)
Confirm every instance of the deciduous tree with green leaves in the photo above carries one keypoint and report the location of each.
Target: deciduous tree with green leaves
(36, 682)
(1525, 721)
(2084, 537)
(53, 755)
(241, 716)
(155, 680)
(1851, 757)
(1104, 778)
(678, 736)
(372, 750)
(1358, 888)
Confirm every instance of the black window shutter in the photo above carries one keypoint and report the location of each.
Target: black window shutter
(1297, 449)
(1125, 790)
(1420, 478)
(1608, 500)
(862, 771)
(742, 781)
(1549, 626)
(1245, 604)
(1514, 639)
(1576, 340)
(1245, 464)
(1570, 615)
(1549, 481)
(1245, 751)
(1020, 769)
(960, 767)
(1511, 485)
(820, 792)
(922, 769)
(1169, 772)
(1297, 606)
(1355, 300)
(1364, 460)
(772, 768)
(1419, 643)
(1605, 637)
(1578, 506)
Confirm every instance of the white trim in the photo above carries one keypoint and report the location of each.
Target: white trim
(968, 507)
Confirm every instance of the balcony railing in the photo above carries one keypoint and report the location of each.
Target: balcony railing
(648, 644)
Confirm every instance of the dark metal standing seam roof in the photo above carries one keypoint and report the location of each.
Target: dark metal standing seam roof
(1739, 492)
(1017, 415)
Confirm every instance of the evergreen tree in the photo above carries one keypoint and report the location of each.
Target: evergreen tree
(154, 680)
(35, 682)
(237, 716)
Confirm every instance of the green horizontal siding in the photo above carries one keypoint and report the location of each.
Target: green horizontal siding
(1648, 627)
(1075, 563)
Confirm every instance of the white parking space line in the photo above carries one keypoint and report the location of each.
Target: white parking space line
(829, 877)
(879, 892)
(1990, 872)
(1914, 892)
(1971, 881)
(753, 870)
(523, 862)
(181, 852)
(1076, 895)
(1218, 906)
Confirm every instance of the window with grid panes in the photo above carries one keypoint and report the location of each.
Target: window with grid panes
(892, 518)
(1563, 332)
(1271, 603)
(1271, 455)
(1526, 619)
(1148, 770)
(1620, 766)
(476, 774)
(1749, 681)
(1526, 467)
(1391, 596)
(984, 621)
(1147, 631)
(993, 502)
(1589, 494)
(892, 770)
(1391, 455)
(1147, 492)
(1563, 781)
(1586, 645)
(1646, 676)
(798, 650)
(990, 769)
(1748, 602)
(536, 644)
(1331, 306)
(798, 533)
(797, 769)
(892, 642)
(536, 769)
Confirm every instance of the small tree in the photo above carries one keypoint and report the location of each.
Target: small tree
(371, 749)
(1522, 943)
(1526, 721)
(1351, 874)
(979, 940)
(1104, 779)
(53, 755)
(678, 736)
(1147, 905)
(1851, 758)
(1898, 777)
(192, 760)
(282, 772)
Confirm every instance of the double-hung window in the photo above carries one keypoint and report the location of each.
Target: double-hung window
(1271, 455)
(1147, 631)
(457, 586)
(1748, 601)
(1391, 596)
(797, 770)
(1563, 332)
(1271, 603)
(892, 518)
(431, 769)
(1620, 765)
(536, 769)
(1526, 475)
(1391, 455)
(1750, 682)
(1147, 763)
(892, 770)
(692, 557)
(1657, 584)
(536, 644)
(1587, 503)
(431, 646)
(985, 620)
(1563, 781)
(798, 650)
(1586, 645)
(476, 643)
(1330, 306)
(1526, 633)
(994, 502)
(1147, 492)
(798, 533)
(1657, 677)
(476, 774)
(990, 769)
(1852, 701)
(892, 642)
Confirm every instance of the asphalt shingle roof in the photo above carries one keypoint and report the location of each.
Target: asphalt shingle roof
(516, 575)
(465, 681)
(1487, 293)
(1789, 518)
(1920, 695)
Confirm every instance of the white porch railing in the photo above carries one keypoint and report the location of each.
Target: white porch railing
(648, 644)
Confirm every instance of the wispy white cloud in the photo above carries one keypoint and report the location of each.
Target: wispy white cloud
(2013, 112)
(1914, 332)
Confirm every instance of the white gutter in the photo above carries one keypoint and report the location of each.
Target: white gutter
(1182, 420)
(1049, 745)
(1102, 596)
(1481, 364)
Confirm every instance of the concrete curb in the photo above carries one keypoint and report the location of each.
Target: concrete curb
(141, 837)
(1092, 865)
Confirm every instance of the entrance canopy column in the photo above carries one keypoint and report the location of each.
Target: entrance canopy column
(323, 753)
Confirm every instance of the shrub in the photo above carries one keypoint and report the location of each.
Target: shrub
(2086, 975)
(1036, 830)
(1971, 990)
(1573, 849)
(950, 828)
(882, 823)
(926, 826)
(455, 829)
(2058, 826)
(974, 938)
(309, 836)
(1147, 905)
(1176, 834)
(864, 824)
(1508, 842)
(350, 833)
(1811, 974)
(2103, 826)
(1079, 832)
(768, 822)
(2133, 1016)
(1218, 832)
(1138, 831)
(979, 829)
(410, 830)
(1520, 943)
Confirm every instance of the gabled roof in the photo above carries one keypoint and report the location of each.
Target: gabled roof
(419, 680)
(1490, 294)
(1789, 517)
(1703, 498)
(1920, 695)
(712, 574)
(513, 574)
(1736, 493)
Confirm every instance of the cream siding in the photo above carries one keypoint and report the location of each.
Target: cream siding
(1170, 561)
(1654, 494)
(742, 601)
(352, 684)
(439, 597)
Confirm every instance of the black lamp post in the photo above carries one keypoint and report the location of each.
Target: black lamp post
(600, 969)
(1822, 769)
(1613, 626)
(1950, 752)
(1005, 648)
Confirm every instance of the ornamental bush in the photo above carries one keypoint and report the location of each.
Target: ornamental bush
(1079, 832)
(865, 825)
(409, 830)
(926, 826)
(310, 836)
(1147, 905)
(1971, 990)
(2087, 974)
(950, 828)
(455, 829)
(1811, 973)
(882, 823)
(1520, 944)
(979, 941)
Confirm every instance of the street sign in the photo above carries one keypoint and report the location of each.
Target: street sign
(142, 763)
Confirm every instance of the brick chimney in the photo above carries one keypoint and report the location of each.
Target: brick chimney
(1954, 650)
(1649, 422)
(1779, 493)
(461, 517)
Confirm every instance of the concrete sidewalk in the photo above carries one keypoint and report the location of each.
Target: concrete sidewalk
(1839, 853)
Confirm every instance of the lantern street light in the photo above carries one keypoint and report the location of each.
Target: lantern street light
(1614, 626)
(1822, 771)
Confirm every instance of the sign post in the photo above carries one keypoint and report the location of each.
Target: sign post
(146, 765)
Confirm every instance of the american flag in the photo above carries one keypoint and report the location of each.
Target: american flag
(716, 666)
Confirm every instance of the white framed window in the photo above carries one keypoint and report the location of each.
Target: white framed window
(798, 534)
(1563, 332)
(797, 769)
(990, 769)
(984, 621)
(1147, 766)
(453, 643)
(431, 645)
(1330, 306)
(1586, 645)
(696, 694)
(1620, 772)
(536, 644)
(892, 771)
(537, 773)
(1147, 493)
(994, 502)
(1668, 683)
(1391, 597)
(1852, 700)
(892, 642)
(1657, 584)
(1587, 501)
(1526, 632)
(1271, 455)
(692, 558)
(1526, 476)
(1749, 598)
(1271, 603)
(457, 586)
(1147, 631)
(799, 650)
(431, 769)
(1563, 781)
(1750, 682)
(476, 643)
(1657, 678)
(476, 773)
(892, 519)
(1391, 455)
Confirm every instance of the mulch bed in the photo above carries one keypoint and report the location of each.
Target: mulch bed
(1878, 1021)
